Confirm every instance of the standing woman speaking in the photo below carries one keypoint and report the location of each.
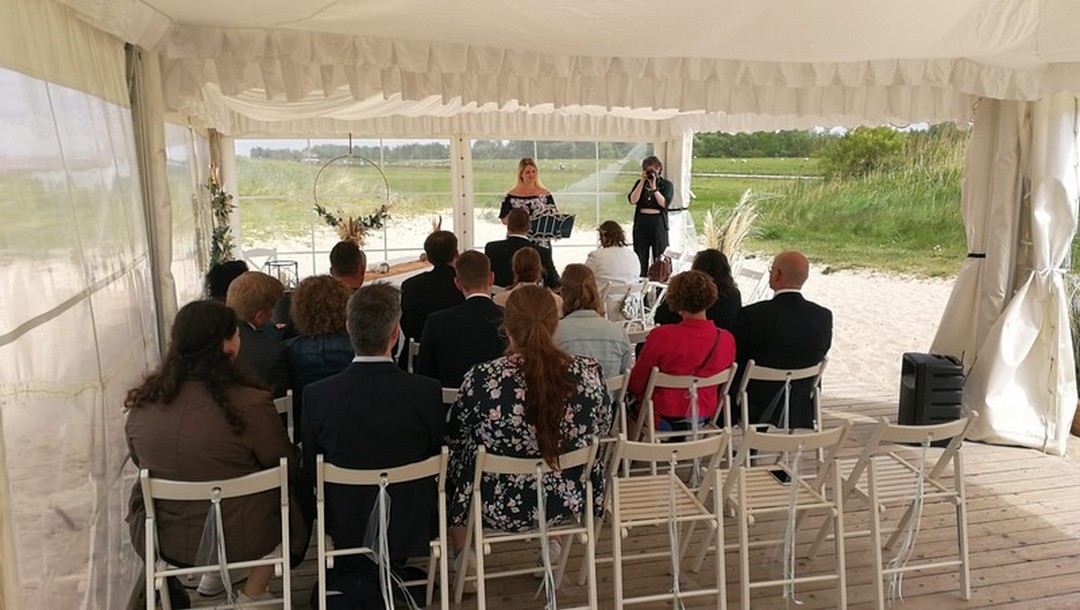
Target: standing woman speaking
(650, 197)
(529, 194)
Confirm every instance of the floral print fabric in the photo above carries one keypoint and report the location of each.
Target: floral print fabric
(490, 412)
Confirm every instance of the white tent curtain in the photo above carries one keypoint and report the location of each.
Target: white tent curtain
(78, 320)
(989, 197)
(1023, 380)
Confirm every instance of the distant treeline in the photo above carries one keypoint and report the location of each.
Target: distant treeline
(715, 145)
(481, 150)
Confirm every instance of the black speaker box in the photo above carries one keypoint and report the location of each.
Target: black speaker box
(930, 389)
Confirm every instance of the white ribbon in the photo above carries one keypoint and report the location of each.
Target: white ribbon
(695, 475)
(673, 536)
(911, 532)
(545, 552)
(379, 542)
(789, 535)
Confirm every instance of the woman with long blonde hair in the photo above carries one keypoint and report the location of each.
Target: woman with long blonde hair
(537, 401)
(529, 193)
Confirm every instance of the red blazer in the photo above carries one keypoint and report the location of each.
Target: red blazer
(682, 349)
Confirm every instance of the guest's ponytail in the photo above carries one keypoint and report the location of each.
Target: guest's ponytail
(530, 319)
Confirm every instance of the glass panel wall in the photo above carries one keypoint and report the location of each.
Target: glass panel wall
(279, 181)
(587, 179)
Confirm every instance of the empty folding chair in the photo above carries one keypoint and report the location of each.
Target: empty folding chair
(213, 492)
(483, 539)
(382, 478)
(885, 476)
(664, 500)
(788, 490)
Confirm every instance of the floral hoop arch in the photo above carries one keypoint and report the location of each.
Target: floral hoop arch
(349, 227)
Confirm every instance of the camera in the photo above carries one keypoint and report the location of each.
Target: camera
(650, 175)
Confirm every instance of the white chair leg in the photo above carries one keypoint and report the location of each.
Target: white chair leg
(962, 536)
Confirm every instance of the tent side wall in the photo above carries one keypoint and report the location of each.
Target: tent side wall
(78, 322)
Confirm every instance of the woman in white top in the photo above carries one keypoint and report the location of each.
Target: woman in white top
(613, 262)
(528, 271)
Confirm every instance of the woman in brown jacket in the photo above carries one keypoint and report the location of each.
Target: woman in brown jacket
(198, 418)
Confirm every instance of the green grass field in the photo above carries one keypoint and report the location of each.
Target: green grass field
(907, 220)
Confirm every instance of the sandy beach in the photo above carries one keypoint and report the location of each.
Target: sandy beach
(876, 318)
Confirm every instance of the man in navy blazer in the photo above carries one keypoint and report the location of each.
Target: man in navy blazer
(375, 415)
(457, 338)
(501, 253)
(433, 290)
(785, 332)
(253, 296)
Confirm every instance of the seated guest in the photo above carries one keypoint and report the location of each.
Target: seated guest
(220, 276)
(374, 415)
(537, 401)
(455, 339)
(322, 348)
(253, 297)
(694, 346)
(613, 262)
(584, 330)
(785, 332)
(432, 290)
(501, 253)
(527, 272)
(348, 263)
(714, 264)
(199, 417)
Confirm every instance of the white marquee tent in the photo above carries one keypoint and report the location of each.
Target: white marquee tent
(113, 109)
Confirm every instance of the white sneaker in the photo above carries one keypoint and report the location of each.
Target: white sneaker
(555, 551)
(243, 601)
(210, 584)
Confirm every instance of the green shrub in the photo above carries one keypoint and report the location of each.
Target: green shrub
(860, 151)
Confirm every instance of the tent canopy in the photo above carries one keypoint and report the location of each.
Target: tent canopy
(260, 67)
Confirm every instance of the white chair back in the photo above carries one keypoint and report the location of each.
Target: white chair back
(284, 406)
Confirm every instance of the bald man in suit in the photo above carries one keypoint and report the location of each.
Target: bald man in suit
(785, 332)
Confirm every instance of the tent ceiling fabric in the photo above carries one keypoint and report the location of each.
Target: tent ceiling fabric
(842, 62)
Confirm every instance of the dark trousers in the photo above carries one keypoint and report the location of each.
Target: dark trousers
(650, 231)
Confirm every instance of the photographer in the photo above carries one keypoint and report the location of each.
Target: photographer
(650, 197)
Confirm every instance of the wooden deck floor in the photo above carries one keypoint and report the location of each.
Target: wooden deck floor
(1024, 534)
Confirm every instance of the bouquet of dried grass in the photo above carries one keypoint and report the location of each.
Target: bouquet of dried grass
(728, 234)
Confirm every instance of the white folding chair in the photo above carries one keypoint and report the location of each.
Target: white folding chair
(213, 492)
(753, 284)
(258, 258)
(753, 492)
(382, 478)
(414, 351)
(756, 372)
(450, 395)
(613, 295)
(665, 500)
(482, 539)
(694, 385)
(884, 476)
(284, 406)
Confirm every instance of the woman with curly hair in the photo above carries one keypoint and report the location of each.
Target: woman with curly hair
(322, 348)
(694, 346)
(714, 264)
(199, 417)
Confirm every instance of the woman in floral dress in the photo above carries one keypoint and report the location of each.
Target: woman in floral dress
(537, 401)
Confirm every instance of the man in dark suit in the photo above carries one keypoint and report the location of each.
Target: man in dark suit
(501, 253)
(253, 296)
(374, 415)
(457, 338)
(430, 291)
(785, 332)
